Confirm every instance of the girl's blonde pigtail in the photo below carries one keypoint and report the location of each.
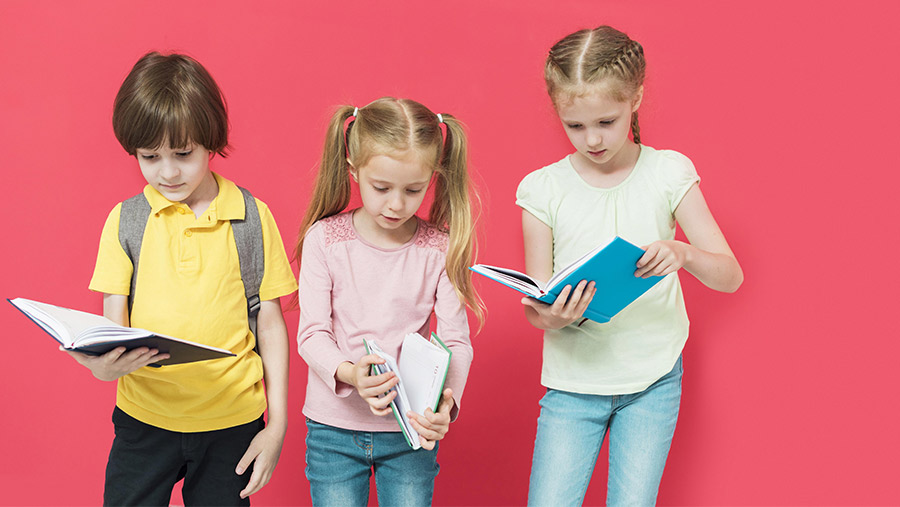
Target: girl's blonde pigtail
(452, 210)
(331, 193)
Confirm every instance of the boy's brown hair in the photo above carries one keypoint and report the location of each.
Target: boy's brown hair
(170, 98)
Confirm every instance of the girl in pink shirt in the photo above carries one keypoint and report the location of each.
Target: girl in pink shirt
(379, 272)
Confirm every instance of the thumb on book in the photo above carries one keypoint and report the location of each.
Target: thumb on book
(447, 402)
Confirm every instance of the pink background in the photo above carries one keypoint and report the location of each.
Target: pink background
(788, 110)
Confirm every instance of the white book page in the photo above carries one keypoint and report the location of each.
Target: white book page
(401, 400)
(511, 277)
(96, 335)
(64, 323)
(424, 365)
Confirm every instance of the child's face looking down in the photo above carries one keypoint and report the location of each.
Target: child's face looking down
(597, 126)
(391, 188)
(180, 175)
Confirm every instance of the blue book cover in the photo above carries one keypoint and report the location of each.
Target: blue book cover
(611, 267)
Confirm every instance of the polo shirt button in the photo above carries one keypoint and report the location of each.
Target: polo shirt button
(188, 233)
(181, 211)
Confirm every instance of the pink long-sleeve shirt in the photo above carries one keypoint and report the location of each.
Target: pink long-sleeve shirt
(351, 290)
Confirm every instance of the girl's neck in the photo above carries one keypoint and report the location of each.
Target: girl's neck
(380, 237)
(607, 174)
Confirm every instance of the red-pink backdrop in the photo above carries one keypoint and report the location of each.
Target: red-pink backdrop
(788, 110)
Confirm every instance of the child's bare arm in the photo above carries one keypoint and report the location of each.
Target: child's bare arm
(115, 308)
(265, 448)
(708, 256)
(539, 265)
(117, 362)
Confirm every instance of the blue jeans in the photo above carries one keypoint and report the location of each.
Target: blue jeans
(571, 429)
(339, 463)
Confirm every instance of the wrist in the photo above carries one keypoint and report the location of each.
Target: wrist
(551, 323)
(277, 425)
(344, 373)
(689, 253)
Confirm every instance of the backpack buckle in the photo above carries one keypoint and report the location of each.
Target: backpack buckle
(253, 305)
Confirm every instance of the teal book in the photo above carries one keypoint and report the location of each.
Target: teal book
(611, 267)
(422, 369)
(96, 335)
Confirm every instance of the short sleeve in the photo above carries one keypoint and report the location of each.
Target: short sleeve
(112, 272)
(532, 196)
(680, 176)
(278, 279)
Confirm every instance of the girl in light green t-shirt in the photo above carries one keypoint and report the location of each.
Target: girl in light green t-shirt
(623, 376)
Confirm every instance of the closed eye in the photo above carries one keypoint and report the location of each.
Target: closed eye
(184, 153)
(380, 189)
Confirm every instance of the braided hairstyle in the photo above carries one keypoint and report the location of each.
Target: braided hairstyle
(604, 57)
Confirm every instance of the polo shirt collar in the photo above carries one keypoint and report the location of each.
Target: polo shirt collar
(227, 205)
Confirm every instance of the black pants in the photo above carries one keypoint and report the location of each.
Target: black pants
(145, 462)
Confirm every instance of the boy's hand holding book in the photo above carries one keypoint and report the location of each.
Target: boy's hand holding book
(118, 362)
(433, 426)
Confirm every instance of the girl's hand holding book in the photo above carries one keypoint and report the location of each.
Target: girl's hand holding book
(117, 362)
(662, 258)
(432, 426)
(370, 387)
(564, 311)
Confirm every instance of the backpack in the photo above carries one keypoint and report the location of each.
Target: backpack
(247, 237)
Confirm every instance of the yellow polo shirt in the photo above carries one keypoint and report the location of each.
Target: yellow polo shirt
(189, 286)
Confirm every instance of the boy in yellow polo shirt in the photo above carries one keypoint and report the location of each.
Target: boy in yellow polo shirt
(198, 421)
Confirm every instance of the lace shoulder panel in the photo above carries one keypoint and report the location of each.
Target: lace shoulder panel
(338, 228)
(432, 237)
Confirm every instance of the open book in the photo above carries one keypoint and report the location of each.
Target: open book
(422, 369)
(611, 267)
(96, 335)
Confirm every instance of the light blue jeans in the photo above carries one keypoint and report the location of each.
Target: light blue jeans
(571, 429)
(339, 463)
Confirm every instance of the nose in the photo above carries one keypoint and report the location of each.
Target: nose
(169, 168)
(594, 138)
(396, 201)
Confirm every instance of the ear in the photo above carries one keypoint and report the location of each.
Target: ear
(354, 173)
(638, 97)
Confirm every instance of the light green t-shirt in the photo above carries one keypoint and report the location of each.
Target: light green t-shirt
(641, 343)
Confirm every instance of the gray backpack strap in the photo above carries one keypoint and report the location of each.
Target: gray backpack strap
(132, 221)
(247, 237)
(249, 241)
